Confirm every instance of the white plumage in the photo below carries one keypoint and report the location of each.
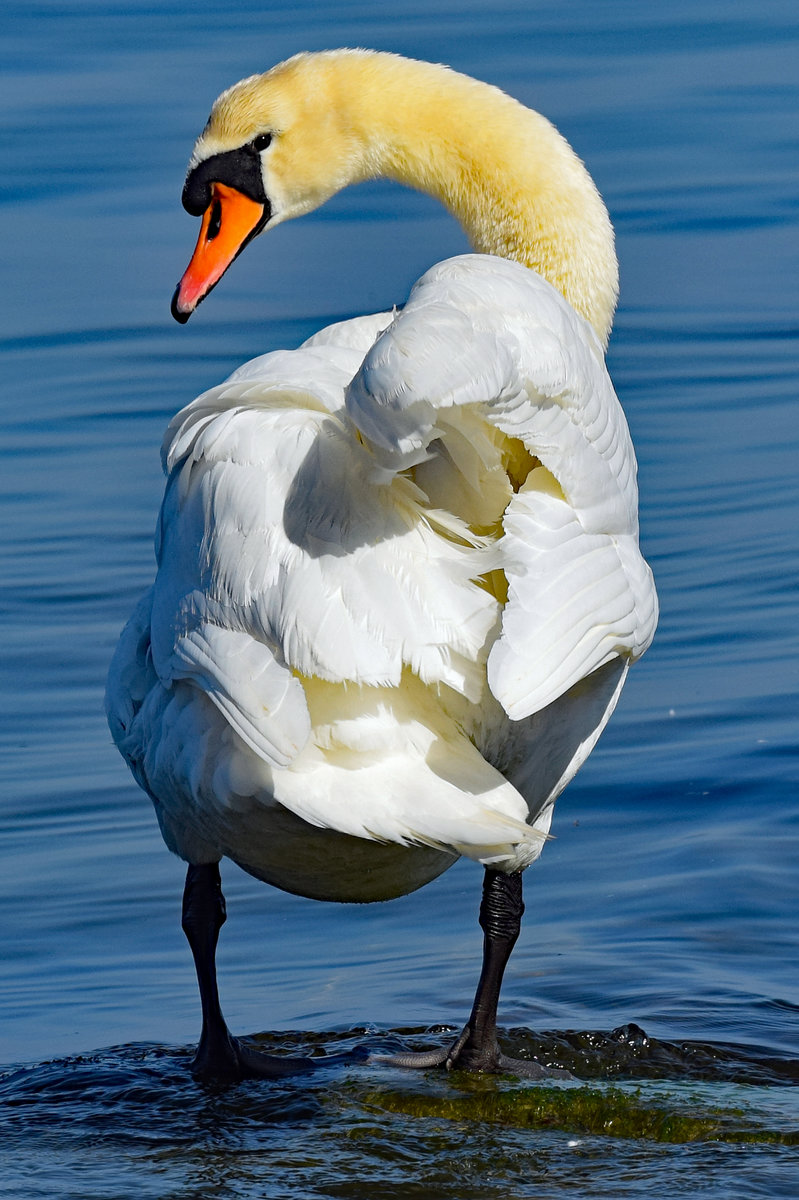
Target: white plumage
(399, 584)
(318, 584)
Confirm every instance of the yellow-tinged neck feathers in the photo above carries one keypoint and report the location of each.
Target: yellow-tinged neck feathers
(502, 170)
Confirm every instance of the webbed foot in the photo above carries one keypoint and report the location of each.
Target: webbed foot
(229, 1060)
(465, 1055)
(476, 1049)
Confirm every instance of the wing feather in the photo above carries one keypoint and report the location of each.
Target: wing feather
(507, 346)
(277, 523)
(339, 517)
(260, 698)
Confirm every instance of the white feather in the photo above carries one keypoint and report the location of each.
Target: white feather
(326, 648)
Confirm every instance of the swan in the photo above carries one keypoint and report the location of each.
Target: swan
(398, 582)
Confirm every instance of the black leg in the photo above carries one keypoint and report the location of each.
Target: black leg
(501, 912)
(477, 1049)
(220, 1057)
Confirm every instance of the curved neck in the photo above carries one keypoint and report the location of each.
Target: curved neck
(505, 173)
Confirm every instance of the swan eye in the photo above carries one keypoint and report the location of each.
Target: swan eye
(261, 142)
(215, 221)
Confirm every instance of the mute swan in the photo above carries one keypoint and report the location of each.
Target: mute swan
(399, 584)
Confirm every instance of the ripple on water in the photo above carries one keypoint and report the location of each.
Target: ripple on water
(670, 890)
(351, 1130)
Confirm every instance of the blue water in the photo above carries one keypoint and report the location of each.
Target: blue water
(668, 897)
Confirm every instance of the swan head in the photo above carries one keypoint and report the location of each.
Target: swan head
(280, 144)
(275, 146)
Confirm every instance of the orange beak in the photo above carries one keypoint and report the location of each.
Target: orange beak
(229, 222)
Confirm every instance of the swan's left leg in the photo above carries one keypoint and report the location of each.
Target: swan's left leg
(220, 1057)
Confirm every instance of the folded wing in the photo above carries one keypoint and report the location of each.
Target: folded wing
(509, 347)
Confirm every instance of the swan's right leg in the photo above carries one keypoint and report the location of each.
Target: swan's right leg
(477, 1049)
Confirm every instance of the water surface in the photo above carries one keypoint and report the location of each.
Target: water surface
(659, 958)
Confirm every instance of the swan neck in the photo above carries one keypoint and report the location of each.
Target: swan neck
(512, 181)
